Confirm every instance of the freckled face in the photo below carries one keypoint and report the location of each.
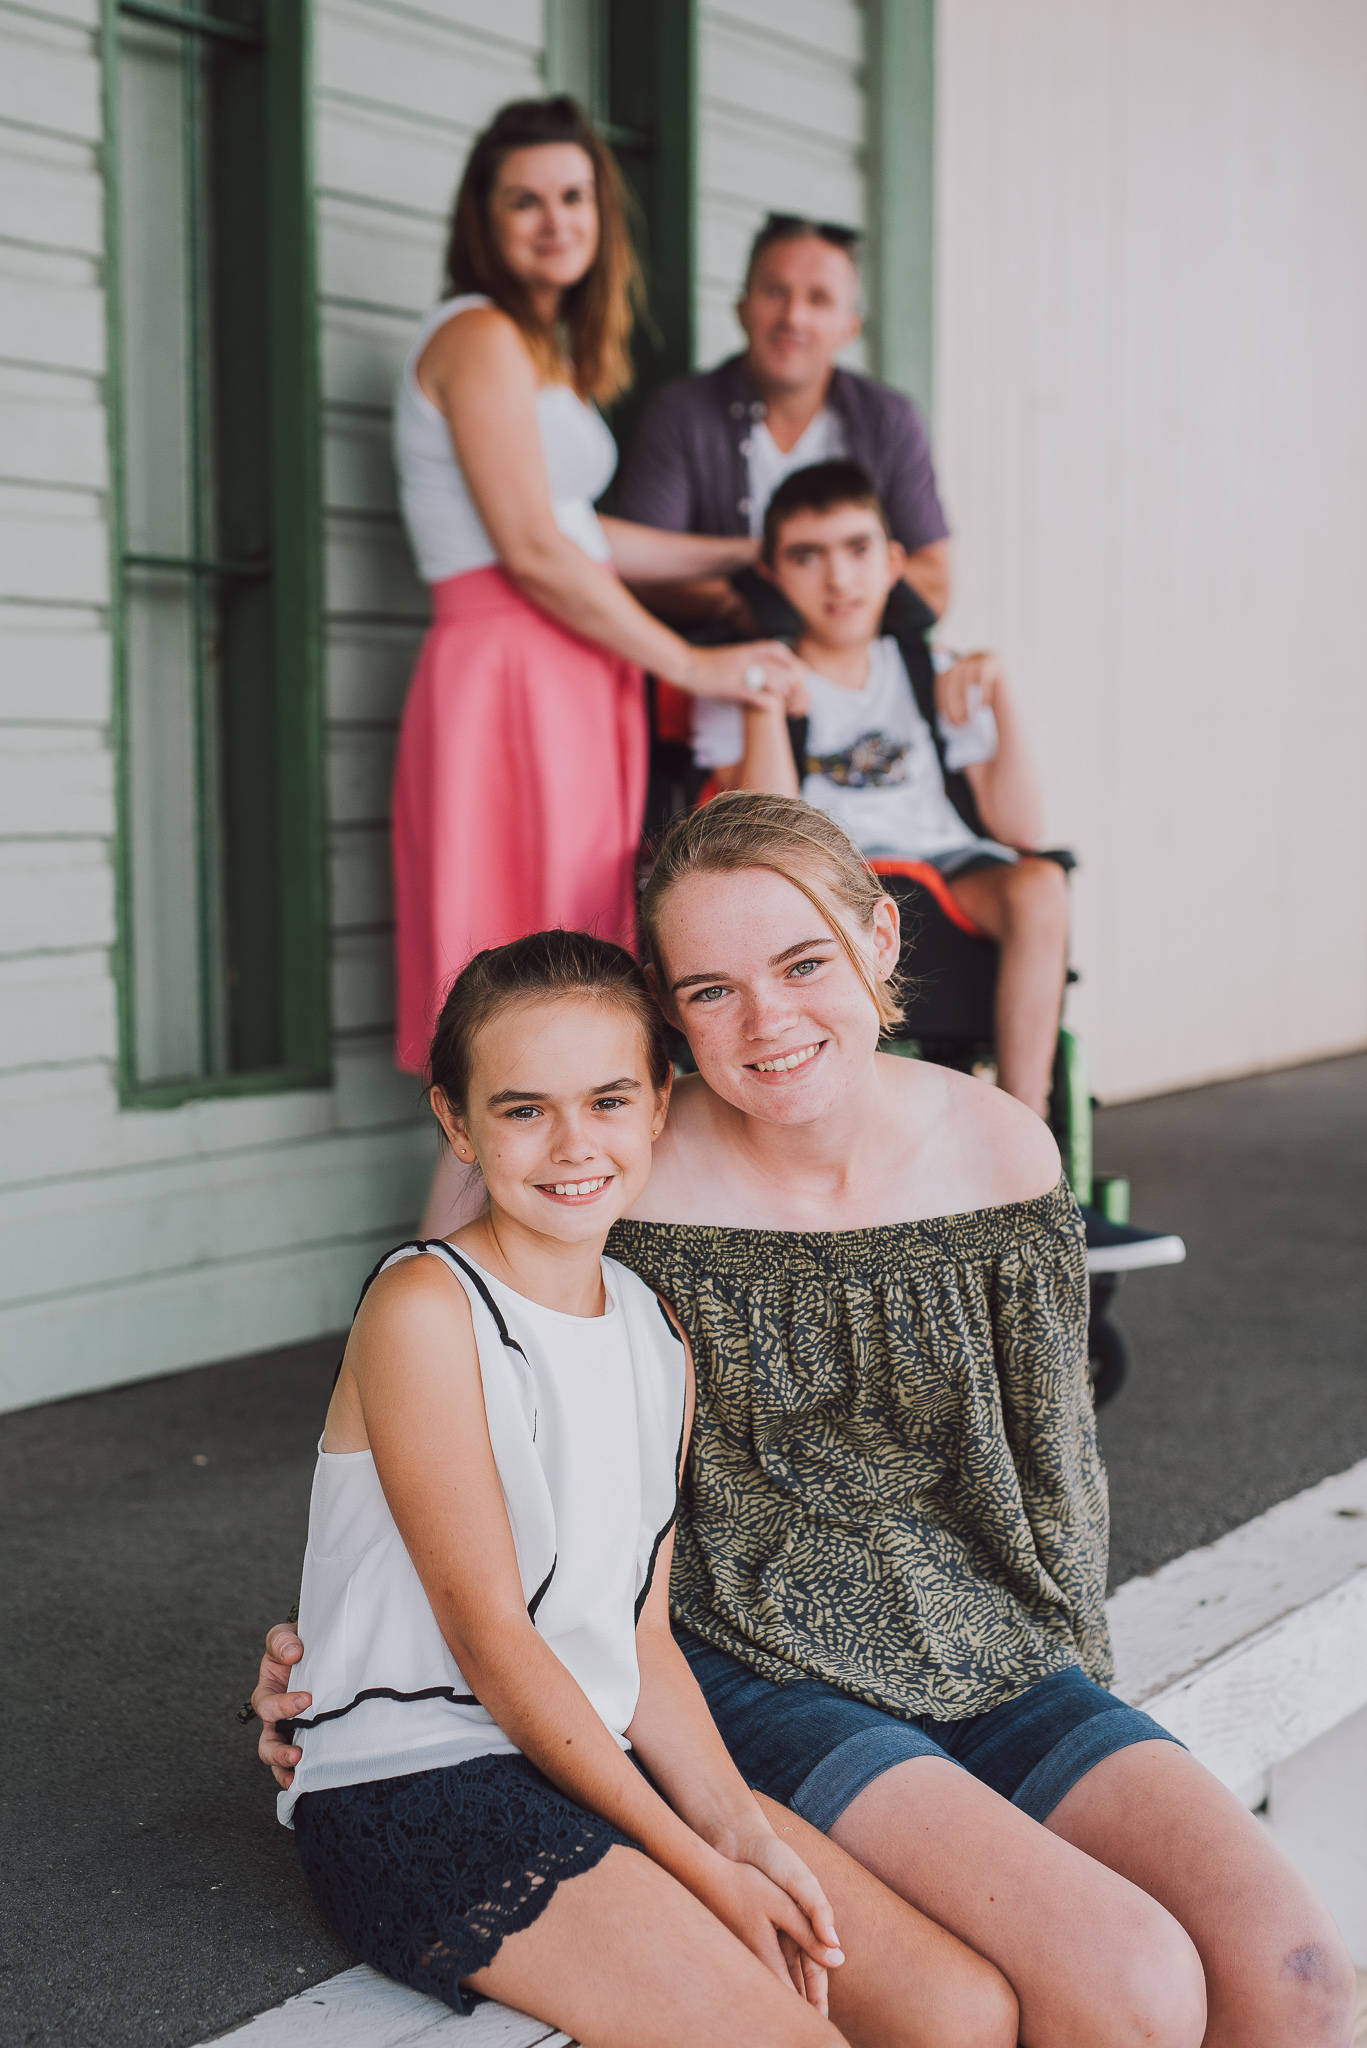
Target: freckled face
(779, 1022)
(561, 1114)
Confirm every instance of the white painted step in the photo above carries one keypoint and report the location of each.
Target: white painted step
(1250, 1648)
(362, 2009)
(1247, 1650)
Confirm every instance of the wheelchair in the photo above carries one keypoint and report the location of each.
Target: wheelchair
(953, 980)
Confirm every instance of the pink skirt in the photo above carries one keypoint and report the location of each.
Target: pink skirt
(519, 791)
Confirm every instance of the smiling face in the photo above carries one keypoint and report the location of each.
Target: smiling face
(799, 309)
(543, 213)
(561, 1114)
(836, 568)
(779, 1022)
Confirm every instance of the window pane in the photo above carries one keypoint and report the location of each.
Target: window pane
(163, 769)
(223, 966)
(171, 622)
(156, 253)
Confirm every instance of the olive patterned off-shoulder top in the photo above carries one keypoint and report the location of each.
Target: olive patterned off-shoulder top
(894, 1482)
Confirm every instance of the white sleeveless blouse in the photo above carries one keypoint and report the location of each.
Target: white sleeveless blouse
(586, 1421)
(445, 531)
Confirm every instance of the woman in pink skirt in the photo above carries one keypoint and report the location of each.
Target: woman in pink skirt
(520, 783)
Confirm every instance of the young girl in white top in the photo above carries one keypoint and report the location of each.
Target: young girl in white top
(486, 1582)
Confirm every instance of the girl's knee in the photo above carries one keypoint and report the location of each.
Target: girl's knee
(968, 2004)
(1314, 1992)
(986, 2014)
(1161, 1992)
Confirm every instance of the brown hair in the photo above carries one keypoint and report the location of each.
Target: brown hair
(599, 312)
(746, 828)
(539, 968)
(821, 487)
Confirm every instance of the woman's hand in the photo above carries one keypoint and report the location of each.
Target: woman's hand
(770, 1901)
(273, 1703)
(721, 672)
(983, 672)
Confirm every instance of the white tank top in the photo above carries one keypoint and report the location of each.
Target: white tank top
(445, 531)
(586, 1421)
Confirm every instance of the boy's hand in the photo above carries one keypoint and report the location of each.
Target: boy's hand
(794, 704)
(983, 671)
(273, 1703)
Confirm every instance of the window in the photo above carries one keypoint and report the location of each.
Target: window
(634, 68)
(216, 578)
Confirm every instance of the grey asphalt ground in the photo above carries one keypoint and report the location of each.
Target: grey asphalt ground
(147, 1897)
(1249, 1379)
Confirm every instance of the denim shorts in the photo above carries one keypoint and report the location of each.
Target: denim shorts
(814, 1749)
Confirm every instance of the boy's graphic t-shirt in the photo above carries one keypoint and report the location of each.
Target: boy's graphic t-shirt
(871, 760)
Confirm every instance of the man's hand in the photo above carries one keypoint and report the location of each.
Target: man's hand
(984, 672)
(273, 1703)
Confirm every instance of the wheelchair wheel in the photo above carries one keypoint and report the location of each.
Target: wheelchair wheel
(1108, 1357)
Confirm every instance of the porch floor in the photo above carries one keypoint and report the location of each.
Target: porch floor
(147, 1897)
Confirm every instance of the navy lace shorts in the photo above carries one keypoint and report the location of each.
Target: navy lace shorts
(424, 1877)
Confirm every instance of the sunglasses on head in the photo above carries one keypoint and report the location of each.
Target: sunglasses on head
(785, 224)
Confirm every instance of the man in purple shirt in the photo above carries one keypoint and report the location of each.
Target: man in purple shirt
(712, 448)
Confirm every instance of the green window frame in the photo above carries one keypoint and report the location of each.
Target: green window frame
(215, 532)
(634, 68)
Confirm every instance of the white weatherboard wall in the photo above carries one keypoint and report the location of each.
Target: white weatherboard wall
(136, 1242)
(1151, 328)
(781, 128)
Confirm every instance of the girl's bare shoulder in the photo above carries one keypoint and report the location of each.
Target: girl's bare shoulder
(410, 1300)
(683, 1157)
(413, 1317)
(992, 1145)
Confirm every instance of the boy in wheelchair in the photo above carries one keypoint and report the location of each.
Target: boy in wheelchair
(890, 768)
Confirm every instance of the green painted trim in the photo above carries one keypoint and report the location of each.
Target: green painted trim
(220, 1087)
(900, 79)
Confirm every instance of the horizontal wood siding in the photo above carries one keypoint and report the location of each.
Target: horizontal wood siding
(1152, 325)
(237, 1224)
(782, 125)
